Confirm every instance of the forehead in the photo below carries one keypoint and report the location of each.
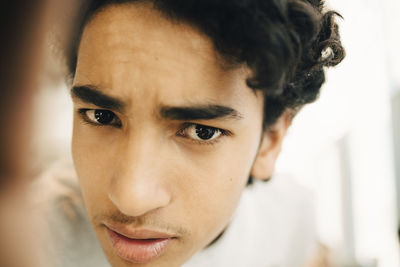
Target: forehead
(133, 51)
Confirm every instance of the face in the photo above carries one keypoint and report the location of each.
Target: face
(165, 136)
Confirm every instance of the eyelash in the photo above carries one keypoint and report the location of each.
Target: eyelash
(83, 114)
(181, 133)
(187, 125)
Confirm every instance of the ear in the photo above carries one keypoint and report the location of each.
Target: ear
(270, 147)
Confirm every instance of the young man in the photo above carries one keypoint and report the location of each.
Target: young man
(180, 107)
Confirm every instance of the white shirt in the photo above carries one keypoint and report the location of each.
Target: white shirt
(273, 226)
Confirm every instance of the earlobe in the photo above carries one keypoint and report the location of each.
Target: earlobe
(268, 152)
(270, 148)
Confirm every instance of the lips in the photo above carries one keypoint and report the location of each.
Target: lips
(139, 246)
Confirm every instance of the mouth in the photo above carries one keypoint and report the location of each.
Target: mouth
(139, 246)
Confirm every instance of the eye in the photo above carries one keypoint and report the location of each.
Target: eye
(200, 132)
(100, 117)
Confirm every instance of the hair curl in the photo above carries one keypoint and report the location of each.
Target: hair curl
(285, 43)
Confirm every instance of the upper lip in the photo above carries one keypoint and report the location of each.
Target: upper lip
(138, 233)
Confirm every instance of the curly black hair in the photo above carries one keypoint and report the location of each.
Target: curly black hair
(285, 43)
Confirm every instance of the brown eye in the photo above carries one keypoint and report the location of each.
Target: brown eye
(101, 117)
(203, 133)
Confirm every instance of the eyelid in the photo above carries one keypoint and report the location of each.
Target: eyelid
(83, 113)
(187, 125)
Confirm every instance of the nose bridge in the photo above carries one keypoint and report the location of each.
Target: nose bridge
(138, 186)
(139, 151)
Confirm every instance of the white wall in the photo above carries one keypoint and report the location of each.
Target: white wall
(355, 107)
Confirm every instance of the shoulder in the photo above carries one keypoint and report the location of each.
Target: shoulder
(283, 211)
(282, 194)
(272, 226)
(68, 236)
(57, 188)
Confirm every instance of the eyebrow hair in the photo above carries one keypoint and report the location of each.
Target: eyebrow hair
(90, 94)
(202, 112)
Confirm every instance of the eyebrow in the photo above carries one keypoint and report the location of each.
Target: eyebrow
(202, 112)
(91, 94)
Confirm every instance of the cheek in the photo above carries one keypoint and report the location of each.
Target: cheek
(92, 161)
(213, 183)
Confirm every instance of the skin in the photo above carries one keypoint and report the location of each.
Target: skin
(149, 171)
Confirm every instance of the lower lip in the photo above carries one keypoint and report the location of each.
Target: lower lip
(138, 250)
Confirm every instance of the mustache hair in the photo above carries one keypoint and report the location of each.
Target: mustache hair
(146, 221)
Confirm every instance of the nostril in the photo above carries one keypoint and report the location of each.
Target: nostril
(137, 201)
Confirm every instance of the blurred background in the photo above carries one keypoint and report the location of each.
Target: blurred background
(345, 148)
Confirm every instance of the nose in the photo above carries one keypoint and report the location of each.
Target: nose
(139, 186)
